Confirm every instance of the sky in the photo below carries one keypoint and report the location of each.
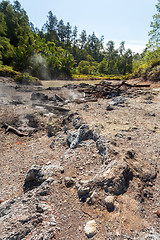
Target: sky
(116, 20)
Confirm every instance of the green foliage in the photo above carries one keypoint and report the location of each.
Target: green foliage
(3, 26)
(152, 55)
(6, 50)
(50, 27)
(24, 78)
(16, 22)
(88, 67)
(154, 34)
(55, 51)
(84, 67)
(149, 65)
(102, 66)
(148, 71)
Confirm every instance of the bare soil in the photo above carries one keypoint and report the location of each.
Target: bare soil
(132, 133)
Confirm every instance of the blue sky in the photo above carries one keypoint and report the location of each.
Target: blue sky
(117, 20)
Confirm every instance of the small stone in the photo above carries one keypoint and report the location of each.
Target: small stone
(69, 182)
(52, 144)
(131, 153)
(93, 197)
(109, 108)
(90, 228)
(109, 201)
(83, 191)
(117, 100)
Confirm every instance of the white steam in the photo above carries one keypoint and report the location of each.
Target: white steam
(39, 66)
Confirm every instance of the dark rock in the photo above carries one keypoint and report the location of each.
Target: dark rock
(109, 108)
(83, 85)
(113, 179)
(52, 144)
(148, 102)
(54, 88)
(32, 120)
(24, 216)
(101, 145)
(149, 98)
(117, 100)
(34, 177)
(39, 96)
(69, 182)
(59, 98)
(74, 138)
(131, 153)
(70, 86)
(151, 114)
(83, 193)
(77, 122)
(146, 173)
(86, 106)
(119, 135)
(129, 138)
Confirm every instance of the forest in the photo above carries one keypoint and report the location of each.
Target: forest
(58, 51)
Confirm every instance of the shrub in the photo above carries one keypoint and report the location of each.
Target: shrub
(22, 78)
(148, 71)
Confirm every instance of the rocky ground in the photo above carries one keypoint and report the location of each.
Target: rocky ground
(76, 166)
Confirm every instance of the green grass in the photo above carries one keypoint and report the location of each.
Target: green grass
(98, 77)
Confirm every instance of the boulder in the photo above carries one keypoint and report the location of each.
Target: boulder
(114, 178)
(36, 175)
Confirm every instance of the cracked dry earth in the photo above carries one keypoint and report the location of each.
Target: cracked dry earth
(88, 162)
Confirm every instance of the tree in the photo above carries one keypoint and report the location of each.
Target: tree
(68, 34)
(61, 29)
(16, 22)
(50, 27)
(83, 39)
(155, 25)
(3, 26)
(102, 66)
(6, 51)
(84, 67)
(95, 46)
(111, 57)
(74, 36)
(122, 48)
